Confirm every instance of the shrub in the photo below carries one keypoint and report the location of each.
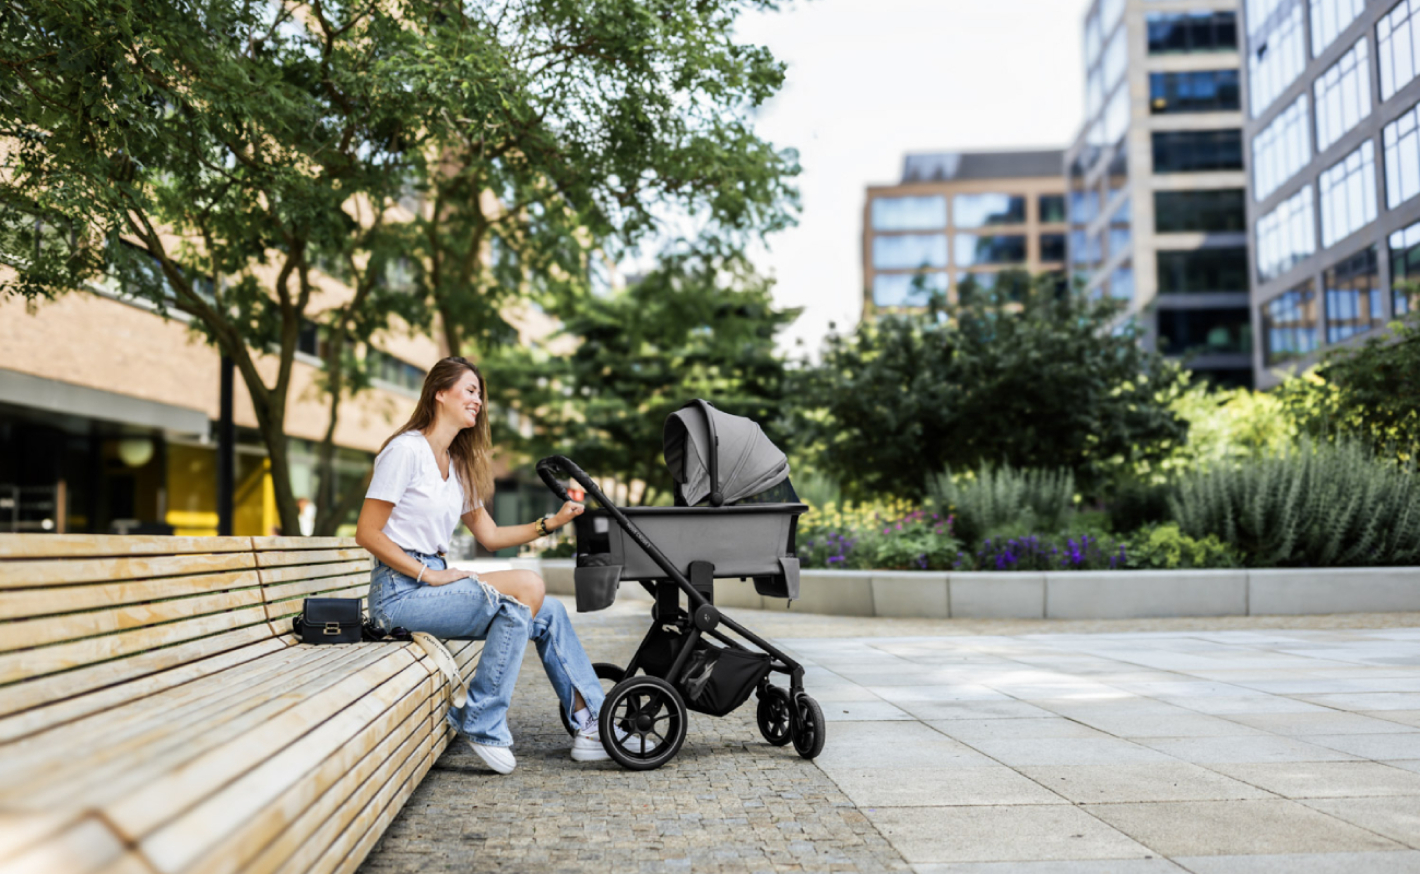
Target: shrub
(993, 498)
(880, 535)
(1034, 553)
(1137, 503)
(1318, 505)
(918, 541)
(1165, 547)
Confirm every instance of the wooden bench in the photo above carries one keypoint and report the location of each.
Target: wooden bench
(158, 716)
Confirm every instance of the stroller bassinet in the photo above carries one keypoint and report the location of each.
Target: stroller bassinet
(740, 525)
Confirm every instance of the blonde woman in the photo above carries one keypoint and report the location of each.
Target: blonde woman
(427, 477)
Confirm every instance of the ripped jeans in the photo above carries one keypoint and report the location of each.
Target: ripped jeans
(471, 609)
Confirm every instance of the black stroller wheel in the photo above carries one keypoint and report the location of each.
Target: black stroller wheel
(776, 715)
(606, 671)
(809, 728)
(643, 723)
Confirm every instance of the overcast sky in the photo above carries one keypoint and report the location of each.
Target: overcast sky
(869, 80)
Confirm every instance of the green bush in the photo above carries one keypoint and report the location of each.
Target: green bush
(1318, 505)
(1165, 547)
(1136, 502)
(995, 499)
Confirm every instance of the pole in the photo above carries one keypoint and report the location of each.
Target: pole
(226, 451)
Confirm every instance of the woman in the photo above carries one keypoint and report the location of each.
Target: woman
(428, 476)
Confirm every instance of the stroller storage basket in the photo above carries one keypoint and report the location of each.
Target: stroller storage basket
(743, 541)
(715, 680)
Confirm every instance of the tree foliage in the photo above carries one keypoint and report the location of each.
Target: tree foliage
(1023, 375)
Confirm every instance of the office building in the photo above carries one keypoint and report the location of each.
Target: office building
(1332, 141)
(1156, 182)
(956, 215)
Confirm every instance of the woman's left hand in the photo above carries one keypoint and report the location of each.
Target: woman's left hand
(569, 511)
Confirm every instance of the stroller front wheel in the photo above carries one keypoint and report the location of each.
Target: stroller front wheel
(809, 728)
(643, 723)
(775, 715)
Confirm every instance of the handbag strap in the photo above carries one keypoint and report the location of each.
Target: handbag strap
(444, 661)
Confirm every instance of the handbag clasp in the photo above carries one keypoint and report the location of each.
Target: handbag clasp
(332, 628)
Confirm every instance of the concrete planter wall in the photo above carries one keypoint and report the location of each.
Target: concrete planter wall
(1070, 594)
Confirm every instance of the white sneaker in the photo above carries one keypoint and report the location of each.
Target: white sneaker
(499, 759)
(587, 744)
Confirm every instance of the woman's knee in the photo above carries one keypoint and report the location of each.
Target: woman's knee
(531, 590)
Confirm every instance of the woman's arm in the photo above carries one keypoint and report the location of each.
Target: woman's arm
(369, 533)
(493, 537)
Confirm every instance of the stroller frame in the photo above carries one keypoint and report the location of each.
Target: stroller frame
(782, 715)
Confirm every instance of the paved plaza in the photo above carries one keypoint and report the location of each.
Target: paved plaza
(1241, 745)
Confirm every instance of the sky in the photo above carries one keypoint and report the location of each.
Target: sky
(871, 80)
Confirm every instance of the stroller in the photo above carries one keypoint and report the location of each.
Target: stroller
(741, 525)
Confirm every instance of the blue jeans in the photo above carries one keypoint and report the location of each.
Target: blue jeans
(471, 609)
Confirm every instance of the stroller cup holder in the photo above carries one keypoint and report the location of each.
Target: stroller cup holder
(596, 580)
(784, 584)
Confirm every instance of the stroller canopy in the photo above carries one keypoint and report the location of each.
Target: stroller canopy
(706, 449)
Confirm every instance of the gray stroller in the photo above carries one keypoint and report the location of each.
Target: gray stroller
(735, 515)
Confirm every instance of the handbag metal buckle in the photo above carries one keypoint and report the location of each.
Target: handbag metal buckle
(332, 628)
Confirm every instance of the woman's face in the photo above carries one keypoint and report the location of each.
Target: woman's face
(462, 402)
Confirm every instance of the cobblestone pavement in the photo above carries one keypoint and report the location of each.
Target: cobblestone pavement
(947, 799)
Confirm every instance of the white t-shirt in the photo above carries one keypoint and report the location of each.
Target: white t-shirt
(427, 507)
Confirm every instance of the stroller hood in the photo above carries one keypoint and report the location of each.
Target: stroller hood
(747, 462)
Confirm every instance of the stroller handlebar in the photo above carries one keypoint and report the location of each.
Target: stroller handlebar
(547, 472)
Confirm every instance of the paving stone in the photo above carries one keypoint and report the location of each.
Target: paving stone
(1325, 779)
(1001, 834)
(1396, 818)
(1168, 781)
(1216, 828)
(1404, 862)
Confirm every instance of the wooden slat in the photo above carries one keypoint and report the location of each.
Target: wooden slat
(76, 545)
(30, 663)
(60, 572)
(139, 812)
(273, 544)
(346, 855)
(272, 576)
(24, 603)
(26, 633)
(310, 556)
(311, 588)
(86, 847)
(46, 689)
(220, 835)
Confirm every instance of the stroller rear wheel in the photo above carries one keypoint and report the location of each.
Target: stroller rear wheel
(606, 671)
(643, 723)
(775, 714)
(808, 727)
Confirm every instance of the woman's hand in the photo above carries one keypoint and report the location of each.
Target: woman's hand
(569, 511)
(434, 577)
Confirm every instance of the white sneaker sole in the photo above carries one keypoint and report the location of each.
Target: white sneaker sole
(483, 753)
(588, 755)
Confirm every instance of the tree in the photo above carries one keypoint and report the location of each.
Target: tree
(700, 325)
(1024, 374)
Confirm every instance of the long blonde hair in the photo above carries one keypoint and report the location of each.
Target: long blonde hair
(472, 449)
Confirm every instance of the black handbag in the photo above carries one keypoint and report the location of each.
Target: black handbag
(329, 620)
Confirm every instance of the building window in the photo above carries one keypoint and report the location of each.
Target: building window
(1275, 57)
(1405, 270)
(1094, 92)
(1281, 149)
(1174, 32)
(387, 368)
(1203, 271)
(972, 249)
(907, 289)
(1110, 12)
(1198, 91)
(979, 210)
(1216, 211)
(1398, 45)
(1348, 194)
(1052, 247)
(1289, 325)
(1119, 232)
(1093, 40)
(1343, 95)
(1286, 235)
(1084, 206)
(1085, 248)
(909, 251)
(1116, 116)
(1121, 283)
(1204, 332)
(979, 281)
(1329, 19)
(311, 339)
(1353, 296)
(1402, 157)
(1116, 58)
(1052, 208)
(910, 213)
(1193, 151)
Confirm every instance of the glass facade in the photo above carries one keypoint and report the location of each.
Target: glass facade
(1121, 283)
(971, 249)
(1084, 207)
(979, 210)
(1401, 139)
(1218, 210)
(1052, 247)
(1348, 194)
(1119, 233)
(1196, 91)
(1116, 58)
(1281, 149)
(1203, 271)
(1204, 331)
(1343, 95)
(1193, 151)
(1286, 235)
(1175, 32)
(1289, 325)
(1329, 18)
(1116, 117)
(1353, 296)
(1276, 52)
(909, 251)
(1052, 208)
(928, 213)
(1398, 46)
(1405, 270)
(907, 289)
